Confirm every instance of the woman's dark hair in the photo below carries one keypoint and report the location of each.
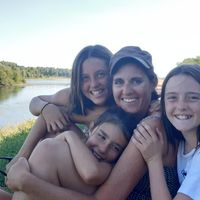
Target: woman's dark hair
(78, 102)
(192, 70)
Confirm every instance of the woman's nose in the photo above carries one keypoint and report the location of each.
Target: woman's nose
(127, 90)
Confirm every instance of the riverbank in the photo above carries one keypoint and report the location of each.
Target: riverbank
(27, 81)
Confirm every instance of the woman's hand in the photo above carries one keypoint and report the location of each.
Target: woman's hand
(56, 118)
(149, 141)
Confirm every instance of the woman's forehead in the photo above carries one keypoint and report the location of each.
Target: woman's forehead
(129, 69)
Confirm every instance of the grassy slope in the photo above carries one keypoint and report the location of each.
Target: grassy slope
(11, 139)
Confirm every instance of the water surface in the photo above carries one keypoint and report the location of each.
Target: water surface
(14, 101)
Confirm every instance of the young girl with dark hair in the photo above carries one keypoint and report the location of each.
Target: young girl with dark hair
(180, 104)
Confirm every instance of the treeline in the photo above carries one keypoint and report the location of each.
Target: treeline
(191, 61)
(11, 73)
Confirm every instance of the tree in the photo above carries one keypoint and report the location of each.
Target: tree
(191, 61)
(11, 73)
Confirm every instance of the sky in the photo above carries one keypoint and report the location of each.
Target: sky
(50, 33)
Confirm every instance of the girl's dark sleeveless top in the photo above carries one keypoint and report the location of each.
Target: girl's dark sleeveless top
(142, 190)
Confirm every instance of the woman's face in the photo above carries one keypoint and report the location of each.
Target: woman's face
(132, 89)
(182, 103)
(95, 80)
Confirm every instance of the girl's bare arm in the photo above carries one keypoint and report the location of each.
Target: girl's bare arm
(60, 98)
(53, 108)
(89, 168)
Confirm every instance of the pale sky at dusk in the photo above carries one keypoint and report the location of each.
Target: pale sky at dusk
(50, 33)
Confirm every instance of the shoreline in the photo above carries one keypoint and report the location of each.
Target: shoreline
(39, 79)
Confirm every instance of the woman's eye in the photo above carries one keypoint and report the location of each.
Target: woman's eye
(137, 81)
(118, 82)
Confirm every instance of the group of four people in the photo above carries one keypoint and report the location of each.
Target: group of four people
(115, 97)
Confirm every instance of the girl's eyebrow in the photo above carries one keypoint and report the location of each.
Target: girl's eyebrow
(198, 93)
(170, 93)
(103, 132)
(189, 92)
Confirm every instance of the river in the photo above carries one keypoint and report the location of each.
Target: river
(14, 101)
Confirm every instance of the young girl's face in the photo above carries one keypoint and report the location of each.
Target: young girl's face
(95, 80)
(106, 142)
(182, 103)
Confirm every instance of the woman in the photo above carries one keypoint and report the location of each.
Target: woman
(89, 95)
(134, 83)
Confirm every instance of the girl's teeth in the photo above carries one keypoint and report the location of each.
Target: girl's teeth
(96, 92)
(183, 117)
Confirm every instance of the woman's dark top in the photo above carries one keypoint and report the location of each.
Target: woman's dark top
(142, 190)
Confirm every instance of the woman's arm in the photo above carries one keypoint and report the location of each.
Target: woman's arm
(89, 168)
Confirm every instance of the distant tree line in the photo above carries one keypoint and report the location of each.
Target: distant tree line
(191, 61)
(11, 73)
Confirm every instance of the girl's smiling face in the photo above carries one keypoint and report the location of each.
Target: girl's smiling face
(95, 80)
(107, 142)
(182, 103)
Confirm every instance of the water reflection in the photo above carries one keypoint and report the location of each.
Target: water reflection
(14, 101)
(6, 92)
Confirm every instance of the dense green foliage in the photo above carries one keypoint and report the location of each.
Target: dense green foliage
(191, 61)
(11, 73)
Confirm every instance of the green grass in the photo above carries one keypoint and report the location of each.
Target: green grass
(11, 139)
